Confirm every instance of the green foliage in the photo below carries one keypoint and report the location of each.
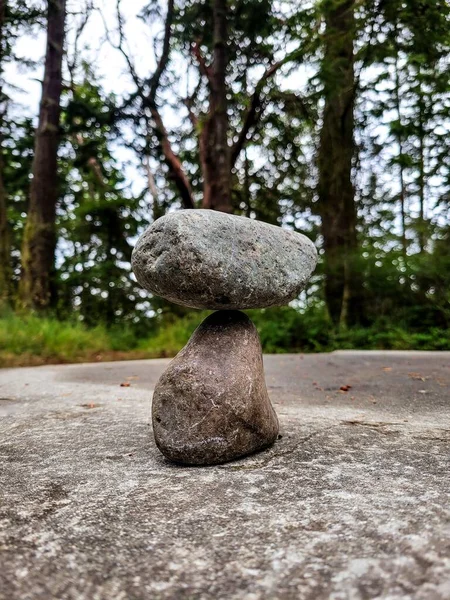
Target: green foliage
(271, 179)
(33, 340)
(17, 154)
(98, 214)
(172, 335)
(401, 165)
(48, 338)
(286, 329)
(407, 92)
(38, 340)
(21, 17)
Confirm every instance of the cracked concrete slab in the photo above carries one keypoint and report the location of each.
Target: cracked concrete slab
(353, 502)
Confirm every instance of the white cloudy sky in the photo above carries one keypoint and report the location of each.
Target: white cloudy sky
(108, 62)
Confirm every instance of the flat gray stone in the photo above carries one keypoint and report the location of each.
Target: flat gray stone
(211, 404)
(352, 502)
(211, 260)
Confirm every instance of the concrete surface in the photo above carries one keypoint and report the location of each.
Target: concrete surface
(352, 503)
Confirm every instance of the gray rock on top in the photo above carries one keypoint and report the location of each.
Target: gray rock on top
(211, 260)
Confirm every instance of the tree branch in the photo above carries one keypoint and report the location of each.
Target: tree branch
(172, 161)
(205, 69)
(189, 102)
(256, 103)
(120, 47)
(148, 99)
(72, 62)
(164, 58)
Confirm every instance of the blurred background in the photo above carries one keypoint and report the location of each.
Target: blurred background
(329, 117)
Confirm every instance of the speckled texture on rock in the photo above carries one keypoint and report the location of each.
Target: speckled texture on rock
(206, 259)
(211, 405)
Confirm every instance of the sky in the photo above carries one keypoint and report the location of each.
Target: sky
(107, 61)
(110, 67)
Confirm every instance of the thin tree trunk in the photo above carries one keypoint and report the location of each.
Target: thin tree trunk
(39, 242)
(5, 249)
(214, 145)
(400, 155)
(421, 229)
(247, 193)
(343, 287)
(156, 210)
(173, 162)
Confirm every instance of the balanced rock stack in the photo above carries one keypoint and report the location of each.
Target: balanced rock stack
(211, 404)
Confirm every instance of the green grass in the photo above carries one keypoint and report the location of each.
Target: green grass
(287, 330)
(172, 335)
(31, 340)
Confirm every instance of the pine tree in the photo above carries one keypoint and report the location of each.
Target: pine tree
(223, 105)
(343, 285)
(17, 18)
(407, 98)
(98, 215)
(39, 241)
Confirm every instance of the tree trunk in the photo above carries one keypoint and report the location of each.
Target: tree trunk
(421, 177)
(343, 286)
(153, 191)
(214, 149)
(5, 250)
(38, 248)
(400, 154)
(247, 193)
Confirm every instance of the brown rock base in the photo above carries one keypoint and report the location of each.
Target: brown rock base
(211, 404)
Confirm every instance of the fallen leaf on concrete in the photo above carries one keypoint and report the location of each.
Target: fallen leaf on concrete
(125, 384)
(387, 368)
(417, 376)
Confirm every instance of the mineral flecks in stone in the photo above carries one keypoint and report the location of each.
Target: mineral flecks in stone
(211, 404)
(211, 260)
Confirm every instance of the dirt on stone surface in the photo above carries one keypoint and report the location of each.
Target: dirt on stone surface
(352, 502)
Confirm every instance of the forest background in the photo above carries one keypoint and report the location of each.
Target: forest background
(329, 117)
